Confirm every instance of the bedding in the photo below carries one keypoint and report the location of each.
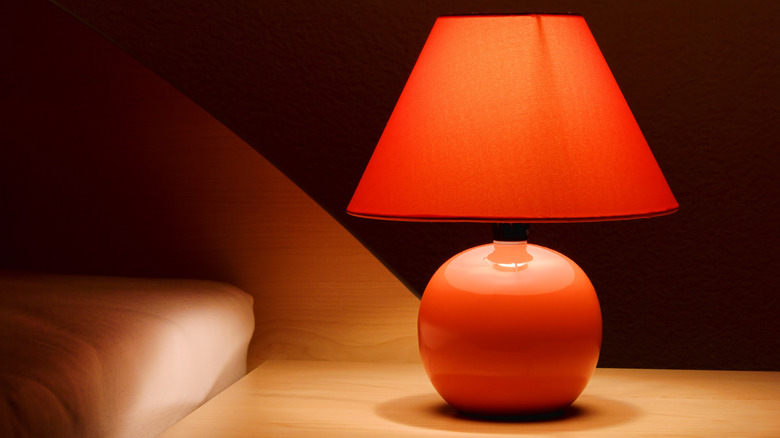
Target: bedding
(114, 357)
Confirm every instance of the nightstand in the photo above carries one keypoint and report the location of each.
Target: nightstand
(338, 399)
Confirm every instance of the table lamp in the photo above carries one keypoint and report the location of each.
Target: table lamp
(511, 119)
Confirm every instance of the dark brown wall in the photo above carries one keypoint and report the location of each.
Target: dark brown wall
(310, 85)
(106, 169)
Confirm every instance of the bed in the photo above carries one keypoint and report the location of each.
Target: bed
(88, 356)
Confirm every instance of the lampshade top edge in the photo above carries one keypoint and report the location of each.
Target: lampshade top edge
(509, 14)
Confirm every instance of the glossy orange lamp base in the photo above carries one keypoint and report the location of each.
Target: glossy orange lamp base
(509, 329)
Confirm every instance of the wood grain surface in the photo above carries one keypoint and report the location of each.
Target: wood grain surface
(332, 399)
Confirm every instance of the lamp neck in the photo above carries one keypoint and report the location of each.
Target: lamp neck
(508, 232)
(509, 256)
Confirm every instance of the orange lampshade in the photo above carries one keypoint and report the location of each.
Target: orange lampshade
(511, 119)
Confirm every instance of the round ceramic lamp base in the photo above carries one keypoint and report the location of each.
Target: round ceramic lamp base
(509, 329)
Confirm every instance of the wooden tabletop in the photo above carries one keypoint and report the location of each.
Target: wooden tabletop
(338, 399)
